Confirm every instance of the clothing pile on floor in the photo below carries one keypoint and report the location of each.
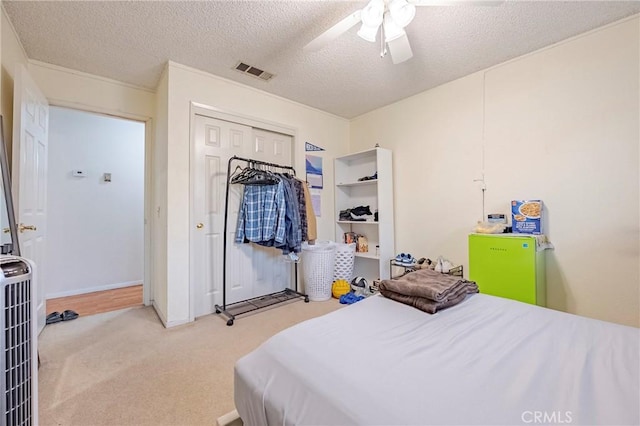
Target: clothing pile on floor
(428, 290)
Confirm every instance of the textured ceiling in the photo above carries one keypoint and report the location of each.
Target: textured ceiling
(131, 41)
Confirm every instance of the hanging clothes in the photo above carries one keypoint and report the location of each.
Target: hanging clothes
(262, 214)
(302, 208)
(312, 227)
(293, 233)
(274, 215)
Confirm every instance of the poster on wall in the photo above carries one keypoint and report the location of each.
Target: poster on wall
(314, 171)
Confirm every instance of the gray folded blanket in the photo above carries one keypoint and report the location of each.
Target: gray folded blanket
(428, 290)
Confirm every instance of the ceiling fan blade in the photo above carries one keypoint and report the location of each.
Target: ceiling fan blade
(334, 32)
(400, 49)
(456, 2)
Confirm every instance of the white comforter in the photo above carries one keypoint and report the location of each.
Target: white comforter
(486, 361)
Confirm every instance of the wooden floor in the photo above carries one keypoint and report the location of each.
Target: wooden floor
(99, 301)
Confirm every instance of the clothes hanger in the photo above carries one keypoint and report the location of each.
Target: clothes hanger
(260, 176)
(235, 173)
(245, 173)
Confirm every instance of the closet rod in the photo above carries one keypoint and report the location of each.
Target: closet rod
(264, 163)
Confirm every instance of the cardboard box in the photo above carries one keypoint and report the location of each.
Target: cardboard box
(526, 216)
(363, 244)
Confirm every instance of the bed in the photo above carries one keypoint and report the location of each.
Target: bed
(485, 361)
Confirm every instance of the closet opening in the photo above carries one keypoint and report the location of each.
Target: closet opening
(251, 271)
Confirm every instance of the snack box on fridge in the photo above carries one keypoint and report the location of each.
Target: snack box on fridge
(526, 216)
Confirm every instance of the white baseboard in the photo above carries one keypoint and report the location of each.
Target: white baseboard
(159, 313)
(92, 289)
(163, 319)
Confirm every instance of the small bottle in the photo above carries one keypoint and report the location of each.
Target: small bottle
(377, 250)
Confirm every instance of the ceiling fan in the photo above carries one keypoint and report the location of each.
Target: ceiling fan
(387, 17)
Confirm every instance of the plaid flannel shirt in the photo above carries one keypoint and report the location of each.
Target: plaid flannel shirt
(262, 214)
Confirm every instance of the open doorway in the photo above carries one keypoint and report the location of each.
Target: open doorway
(95, 199)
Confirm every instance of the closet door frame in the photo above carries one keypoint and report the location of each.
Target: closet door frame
(297, 155)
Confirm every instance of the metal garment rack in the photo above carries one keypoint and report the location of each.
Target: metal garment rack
(244, 306)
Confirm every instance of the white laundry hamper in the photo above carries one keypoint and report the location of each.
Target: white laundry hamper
(345, 255)
(317, 269)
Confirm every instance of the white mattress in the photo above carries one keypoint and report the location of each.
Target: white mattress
(486, 361)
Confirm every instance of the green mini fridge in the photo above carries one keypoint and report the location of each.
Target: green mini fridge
(508, 265)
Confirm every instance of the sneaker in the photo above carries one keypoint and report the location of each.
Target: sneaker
(345, 214)
(361, 218)
(409, 260)
(400, 258)
(361, 210)
(439, 265)
(446, 266)
(372, 177)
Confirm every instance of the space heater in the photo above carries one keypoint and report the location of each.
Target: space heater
(19, 360)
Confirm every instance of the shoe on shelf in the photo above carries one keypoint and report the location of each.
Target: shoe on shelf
(372, 177)
(400, 258)
(345, 214)
(361, 210)
(362, 217)
(409, 260)
(446, 266)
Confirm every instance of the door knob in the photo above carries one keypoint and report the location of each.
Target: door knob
(23, 227)
(200, 226)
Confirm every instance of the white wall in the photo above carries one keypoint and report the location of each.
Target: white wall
(561, 124)
(189, 85)
(80, 90)
(95, 228)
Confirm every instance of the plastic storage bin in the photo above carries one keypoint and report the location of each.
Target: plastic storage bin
(317, 269)
(345, 255)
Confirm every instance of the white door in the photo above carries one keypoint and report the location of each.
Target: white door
(270, 270)
(251, 270)
(29, 176)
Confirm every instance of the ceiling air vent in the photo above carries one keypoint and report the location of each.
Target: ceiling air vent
(253, 71)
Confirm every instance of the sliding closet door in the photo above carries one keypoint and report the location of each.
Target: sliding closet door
(270, 270)
(251, 270)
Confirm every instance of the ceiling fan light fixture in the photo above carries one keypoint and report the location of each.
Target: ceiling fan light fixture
(402, 12)
(368, 33)
(391, 30)
(372, 13)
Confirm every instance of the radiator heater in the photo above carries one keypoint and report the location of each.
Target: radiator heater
(19, 361)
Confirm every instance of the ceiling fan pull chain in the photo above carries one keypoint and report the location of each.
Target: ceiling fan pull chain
(383, 44)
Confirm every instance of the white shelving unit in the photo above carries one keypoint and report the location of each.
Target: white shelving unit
(378, 195)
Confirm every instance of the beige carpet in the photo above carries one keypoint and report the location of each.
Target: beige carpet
(125, 368)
